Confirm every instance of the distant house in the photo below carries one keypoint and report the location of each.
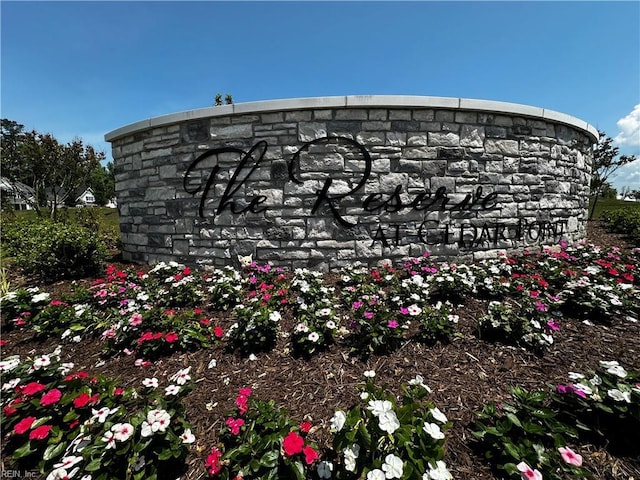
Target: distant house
(86, 198)
(17, 194)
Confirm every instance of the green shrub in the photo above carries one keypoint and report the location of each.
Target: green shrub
(624, 220)
(53, 250)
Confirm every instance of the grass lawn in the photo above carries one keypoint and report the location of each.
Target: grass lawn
(608, 204)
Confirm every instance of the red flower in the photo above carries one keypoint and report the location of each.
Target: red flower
(75, 376)
(9, 410)
(205, 321)
(245, 392)
(305, 427)
(171, 337)
(169, 312)
(213, 461)
(234, 425)
(3, 343)
(52, 396)
(84, 399)
(310, 455)
(40, 433)
(186, 271)
(118, 391)
(23, 425)
(218, 332)
(292, 444)
(197, 311)
(33, 388)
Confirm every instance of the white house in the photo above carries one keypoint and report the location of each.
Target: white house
(19, 195)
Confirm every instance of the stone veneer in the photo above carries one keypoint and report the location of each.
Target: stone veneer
(459, 178)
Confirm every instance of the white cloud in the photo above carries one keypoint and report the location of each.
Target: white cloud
(627, 176)
(629, 129)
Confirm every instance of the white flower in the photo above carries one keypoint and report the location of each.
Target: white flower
(620, 396)
(378, 407)
(11, 384)
(439, 472)
(67, 462)
(10, 363)
(419, 380)
(388, 422)
(323, 312)
(350, 455)
(324, 469)
(62, 474)
(157, 421)
(213, 363)
(122, 431)
(583, 388)
(369, 373)
(187, 436)
(172, 390)
(109, 439)
(376, 475)
(150, 382)
(618, 371)
(331, 325)
(596, 380)
(609, 363)
(438, 415)
(275, 316)
(253, 357)
(181, 376)
(433, 430)
(392, 466)
(102, 413)
(364, 395)
(139, 463)
(42, 361)
(66, 368)
(337, 421)
(40, 297)
(302, 328)
(575, 376)
(313, 336)
(414, 310)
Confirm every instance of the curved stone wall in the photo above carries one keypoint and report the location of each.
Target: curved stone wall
(323, 182)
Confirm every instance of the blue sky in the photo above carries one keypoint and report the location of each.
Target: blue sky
(85, 68)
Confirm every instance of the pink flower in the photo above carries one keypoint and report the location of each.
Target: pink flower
(292, 444)
(368, 315)
(310, 455)
(404, 311)
(534, 294)
(135, 320)
(40, 433)
(218, 332)
(357, 305)
(171, 337)
(234, 425)
(213, 461)
(392, 324)
(570, 457)
(33, 388)
(23, 425)
(527, 473)
(52, 396)
(541, 307)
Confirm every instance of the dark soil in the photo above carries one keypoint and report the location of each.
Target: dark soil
(463, 375)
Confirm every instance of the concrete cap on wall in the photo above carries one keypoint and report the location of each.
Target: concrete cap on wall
(356, 101)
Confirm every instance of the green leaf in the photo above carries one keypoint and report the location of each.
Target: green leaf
(511, 449)
(514, 419)
(165, 454)
(94, 465)
(270, 459)
(298, 470)
(23, 451)
(54, 450)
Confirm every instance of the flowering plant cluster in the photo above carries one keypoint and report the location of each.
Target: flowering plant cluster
(68, 423)
(315, 312)
(224, 287)
(261, 441)
(437, 323)
(21, 305)
(381, 438)
(508, 322)
(256, 327)
(450, 281)
(605, 401)
(526, 438)
(66, 321)
(173, 285)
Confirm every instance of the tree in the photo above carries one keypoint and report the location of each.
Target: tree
(53, 170)
(103, 183)
(606, 162)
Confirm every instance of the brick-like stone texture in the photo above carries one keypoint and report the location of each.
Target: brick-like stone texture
(295, 202)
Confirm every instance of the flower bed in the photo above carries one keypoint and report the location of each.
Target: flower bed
(301, 343)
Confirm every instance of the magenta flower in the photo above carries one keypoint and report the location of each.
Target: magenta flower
(404, 311)
(357, 305)
(368, 315)
(553, 325)
(392, 324)
(570, 457)
(541, 307)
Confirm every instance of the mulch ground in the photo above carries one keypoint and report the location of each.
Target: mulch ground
(463, 375)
